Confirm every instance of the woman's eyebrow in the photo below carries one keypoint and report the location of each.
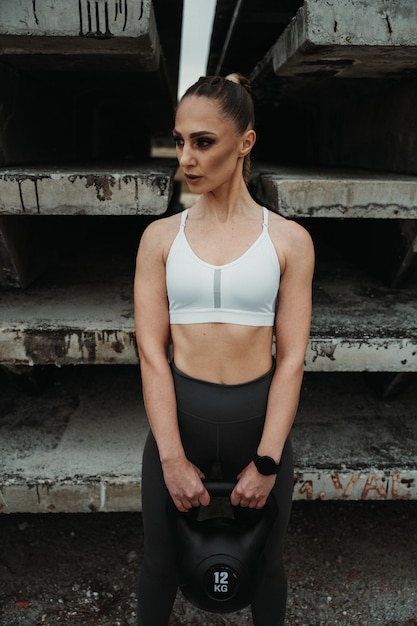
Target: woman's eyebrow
(198, 133)
(202, 132)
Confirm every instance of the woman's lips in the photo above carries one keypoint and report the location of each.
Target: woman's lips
(191, 178)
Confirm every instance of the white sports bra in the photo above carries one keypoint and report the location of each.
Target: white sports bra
(241, 292)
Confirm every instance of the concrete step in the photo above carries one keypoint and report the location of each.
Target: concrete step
(345, 39)
(82, 312)
(358, 323)
(77, 33)
(333, 193)
(79, 312)
(121, 189)
(349, 444)
(77, 446)
(114, 70)
(28, 246)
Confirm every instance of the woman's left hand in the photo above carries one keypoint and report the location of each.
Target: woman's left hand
(252, 489)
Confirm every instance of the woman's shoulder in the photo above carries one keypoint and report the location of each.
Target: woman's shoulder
(161, 231)
(287, 228)
(292, 241)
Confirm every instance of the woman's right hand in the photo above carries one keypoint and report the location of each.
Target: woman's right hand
(184, 483)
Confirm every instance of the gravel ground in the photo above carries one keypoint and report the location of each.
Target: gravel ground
(348, 563)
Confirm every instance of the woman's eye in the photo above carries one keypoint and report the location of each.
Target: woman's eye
(204, 143)
(201, 143)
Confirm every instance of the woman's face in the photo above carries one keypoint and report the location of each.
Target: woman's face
(209, 149)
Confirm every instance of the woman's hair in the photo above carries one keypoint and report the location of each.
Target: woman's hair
(234, 97)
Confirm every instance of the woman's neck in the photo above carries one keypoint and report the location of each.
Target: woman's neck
(226, 204)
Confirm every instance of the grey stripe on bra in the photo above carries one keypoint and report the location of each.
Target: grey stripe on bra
(217, 289)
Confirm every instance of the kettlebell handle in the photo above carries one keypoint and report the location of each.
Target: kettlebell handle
(219, 489)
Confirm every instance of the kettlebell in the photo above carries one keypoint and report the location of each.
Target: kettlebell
(220, 558)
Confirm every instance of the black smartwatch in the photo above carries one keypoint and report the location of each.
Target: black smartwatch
(266, 465)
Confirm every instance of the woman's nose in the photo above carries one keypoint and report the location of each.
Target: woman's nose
(186, 156)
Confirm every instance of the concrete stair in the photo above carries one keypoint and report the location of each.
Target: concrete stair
(336, 108)
(77, 446)
(88, 90)
(370, 40)
(80, 33)
(82, 312)
(335, 193)
(124, 189)
(82, 146)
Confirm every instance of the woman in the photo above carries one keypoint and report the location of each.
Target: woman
(215, 281)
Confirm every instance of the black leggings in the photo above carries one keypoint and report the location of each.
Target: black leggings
(220, 425)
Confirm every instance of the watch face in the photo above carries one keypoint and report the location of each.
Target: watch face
(266, 465)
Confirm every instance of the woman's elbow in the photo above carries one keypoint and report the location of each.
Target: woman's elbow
(292, 365)
(152, 357)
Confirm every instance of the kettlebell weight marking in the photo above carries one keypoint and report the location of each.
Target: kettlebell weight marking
(221, 582)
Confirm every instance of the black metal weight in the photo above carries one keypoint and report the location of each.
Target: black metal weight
(220, 558)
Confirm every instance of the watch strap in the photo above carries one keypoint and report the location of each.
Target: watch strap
(266, 465)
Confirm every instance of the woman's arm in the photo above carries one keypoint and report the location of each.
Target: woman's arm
(292, 333)
(183, 479)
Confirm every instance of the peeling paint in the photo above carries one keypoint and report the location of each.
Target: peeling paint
(365, 354)
(38, 350)
(159, 183)
(102, 184)
(324, 350)
(61, 346)
(64, 346)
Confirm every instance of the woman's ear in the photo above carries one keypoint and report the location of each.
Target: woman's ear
(247, 142)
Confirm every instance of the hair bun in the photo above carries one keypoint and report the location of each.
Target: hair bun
(234, 78)
(241, 80)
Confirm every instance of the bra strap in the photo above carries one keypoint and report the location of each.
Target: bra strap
(266, 217)
(184, 215)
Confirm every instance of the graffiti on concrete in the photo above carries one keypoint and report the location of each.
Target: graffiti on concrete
(356, 485)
